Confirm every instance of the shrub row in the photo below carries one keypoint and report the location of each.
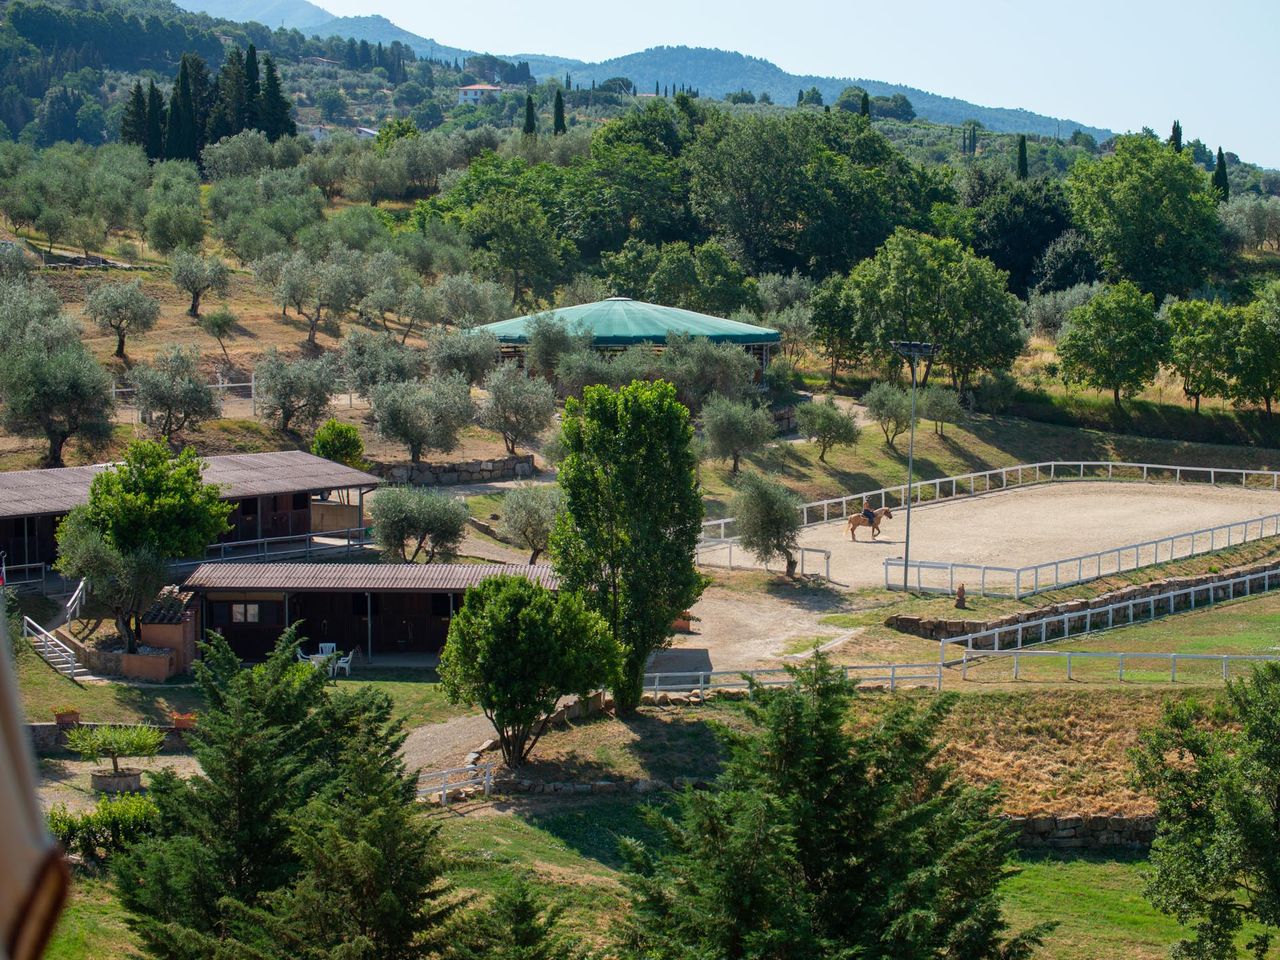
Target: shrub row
(113, 825)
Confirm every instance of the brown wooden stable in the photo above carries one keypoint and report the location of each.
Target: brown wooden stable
(380, 609)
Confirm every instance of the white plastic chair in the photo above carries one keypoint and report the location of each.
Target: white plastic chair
(302, 657)
(328, 648)
(343, 664)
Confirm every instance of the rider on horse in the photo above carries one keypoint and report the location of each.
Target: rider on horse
(867, 511)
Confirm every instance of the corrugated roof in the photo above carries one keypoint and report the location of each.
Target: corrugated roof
(620, 322)
(169, 607)
(374, 577)
(31, 493)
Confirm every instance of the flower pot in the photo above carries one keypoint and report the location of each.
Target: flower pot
(66, 718)
(128, 780)
(683, 623)
(184, 721)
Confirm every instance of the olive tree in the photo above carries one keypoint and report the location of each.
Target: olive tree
(890, 407)
(412, 522)
(826, 425)
(171, 394)
(516, 648)
(518, 407)
(734, 429)
(470, 353)
(195, 276)
(220, 325)
(293, 391)
(424, 414)
(529, 514)
(942, 406)
(122, 309)
(767, 516)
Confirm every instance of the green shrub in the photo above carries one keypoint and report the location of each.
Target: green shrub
(115, 824)
(115, 742)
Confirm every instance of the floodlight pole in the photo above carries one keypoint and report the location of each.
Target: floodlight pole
(913, 351)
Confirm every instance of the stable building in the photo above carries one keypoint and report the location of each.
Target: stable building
(378, 609)
(273, 495)
(620, 322)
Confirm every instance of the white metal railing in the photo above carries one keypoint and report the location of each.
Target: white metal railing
(441, 783)
(1001, 478)
(1018, 582)
(1121, 658)
(707, 547)
(52, 650)
(71, 611)
(893, 674)
(323, 543)
(1096, 619)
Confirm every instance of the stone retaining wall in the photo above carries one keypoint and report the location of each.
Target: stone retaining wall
(447, 474)
(1085, 831)
(943, 629)
(52, 738)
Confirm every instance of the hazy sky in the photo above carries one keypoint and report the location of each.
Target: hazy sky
(1122, 64)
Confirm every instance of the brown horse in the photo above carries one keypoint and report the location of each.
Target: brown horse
(857, 520)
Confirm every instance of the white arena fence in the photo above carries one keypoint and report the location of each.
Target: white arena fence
(1004, 478)
(709, 553)
(934, 576)
(1134, 661)
(891, 675)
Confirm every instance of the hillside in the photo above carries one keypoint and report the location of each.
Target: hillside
(295, 14)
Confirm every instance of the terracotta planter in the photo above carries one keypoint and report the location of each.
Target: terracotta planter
(184, 721)
(683, 623)
(128, 780)
(67, 718)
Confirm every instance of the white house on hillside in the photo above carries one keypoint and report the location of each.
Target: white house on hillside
(476, 92)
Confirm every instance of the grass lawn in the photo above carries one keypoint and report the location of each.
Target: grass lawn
(92, 926)
(416, 693)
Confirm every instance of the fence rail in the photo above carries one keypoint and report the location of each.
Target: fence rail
(893, 674)
(1121, 658)
(1018, 475)
(1123, 614)
(443, 782)
(706, 547)
(935, 576)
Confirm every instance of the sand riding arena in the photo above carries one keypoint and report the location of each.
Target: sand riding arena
(1035, 523)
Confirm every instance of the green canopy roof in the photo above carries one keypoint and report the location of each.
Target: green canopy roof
(621, 321)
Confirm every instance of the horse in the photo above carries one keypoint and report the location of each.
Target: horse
(857, 520)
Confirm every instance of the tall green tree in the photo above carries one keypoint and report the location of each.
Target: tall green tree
(1175, 136)
(273, 113)
(1142, 191)
(1115, 342)
(133, 125)
(181, 139)
(1022, 156)
(558, 125)
(829, 838)
(632, 517)
(1255, 373)
(157, 121)
(1214, 772)
(530, 117)
(252, 88)
(864, 105)
(1221, 185)
(516, 649)
(1201, 340)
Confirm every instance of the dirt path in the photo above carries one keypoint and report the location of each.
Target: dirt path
(438, 746)
(1034, 525)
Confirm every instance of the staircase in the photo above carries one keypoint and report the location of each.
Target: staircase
(54, 652)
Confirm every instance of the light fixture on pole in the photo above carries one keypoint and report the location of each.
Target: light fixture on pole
(913, 351)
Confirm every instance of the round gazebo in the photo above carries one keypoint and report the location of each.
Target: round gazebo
(620, 322)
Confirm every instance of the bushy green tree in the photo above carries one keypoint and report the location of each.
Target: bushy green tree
(828, 838)
(767, 518)
(942, 406)
(529, 514)
(1214, 773)
(413, 522)
(632, 518)
(890, 407)
(294, 392)
(1256, 367)
(826, 425)
(519, 407)
(516, 648)
(1115, 342)
(424, 414)
(171, 394)
(734, 429)
(122, 309)
(1200, 345)
(339, 442)
(370, 360)
(468, 353)
(195, 276)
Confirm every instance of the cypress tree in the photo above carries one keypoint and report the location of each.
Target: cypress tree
(1022, 156)
(655, 88)
(568, 82)
(156, 121)
(1220, 182)
(799, 97)
(864, 105)
(1175, 136)
(530, 118)
(230, 107)
(133, 125)
(180, 142)
(274, 108)
(664, 91)
(252, 87)
(559, 126)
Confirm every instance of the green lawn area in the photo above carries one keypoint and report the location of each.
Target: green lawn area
(418, 697)
(1249, 627)
(92, 926)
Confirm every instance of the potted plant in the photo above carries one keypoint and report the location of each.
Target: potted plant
(66, 716)
(94, 743)
(183, 721)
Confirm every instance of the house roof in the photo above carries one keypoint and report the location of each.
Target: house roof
(33, 493)
(359, 577)
(169, 607)
(621, 321)
(479, 86)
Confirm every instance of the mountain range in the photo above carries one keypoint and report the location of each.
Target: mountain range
(712, 72)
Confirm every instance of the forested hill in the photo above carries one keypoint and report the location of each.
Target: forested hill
(713, 73)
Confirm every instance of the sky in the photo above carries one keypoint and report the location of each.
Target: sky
(1122, 64)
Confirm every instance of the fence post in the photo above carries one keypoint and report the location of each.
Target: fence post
(1068, 664)
(1224, 668)
(1122, 668)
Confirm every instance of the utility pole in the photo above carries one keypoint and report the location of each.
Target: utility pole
(914, 351)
